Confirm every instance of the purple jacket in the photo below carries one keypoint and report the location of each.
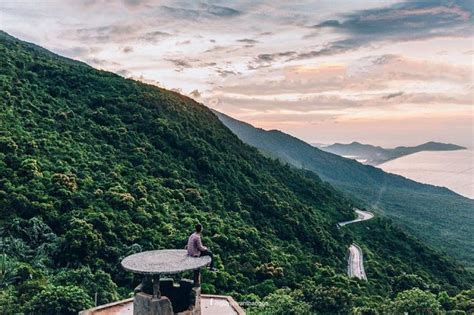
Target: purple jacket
(195, 246)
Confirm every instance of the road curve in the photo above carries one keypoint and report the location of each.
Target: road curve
(361, 216)
(355, 261)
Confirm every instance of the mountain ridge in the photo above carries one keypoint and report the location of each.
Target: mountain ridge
(375, 155)
(419, 207)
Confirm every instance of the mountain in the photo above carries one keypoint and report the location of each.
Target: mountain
(435, 214)
(96, 167)
(374, 155)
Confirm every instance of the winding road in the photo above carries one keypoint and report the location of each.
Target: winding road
(355, 262)
(362, 216)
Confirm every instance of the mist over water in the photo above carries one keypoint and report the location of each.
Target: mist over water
(451, 169)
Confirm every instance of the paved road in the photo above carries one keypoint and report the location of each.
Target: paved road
(362, 216)
(355, 262)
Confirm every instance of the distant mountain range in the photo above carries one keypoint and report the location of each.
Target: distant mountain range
(374, 155)
(435, 214)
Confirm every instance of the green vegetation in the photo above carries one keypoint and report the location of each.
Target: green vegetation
(437, 215)
(95, 167)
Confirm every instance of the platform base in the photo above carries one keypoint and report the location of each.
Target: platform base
(145, 304)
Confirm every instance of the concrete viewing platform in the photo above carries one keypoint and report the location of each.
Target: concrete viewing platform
(210, 305)
(165, 262)
(156, 295)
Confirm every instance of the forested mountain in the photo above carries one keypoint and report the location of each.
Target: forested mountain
(373, 155)
(435, 214)
(95, 167)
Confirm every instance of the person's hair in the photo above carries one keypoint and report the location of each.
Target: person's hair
(198, 227)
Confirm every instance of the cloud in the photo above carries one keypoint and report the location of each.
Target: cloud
(118, 33)
(201, 11)
(408, 19)
(247, 41)
(127, 49)
(146, 80)
(153, 36)
(225, 72)
(221, 11)
(124, 73)
(216, 48)
(119, 4)
(180, 63)
(382, 74)
(101, 63)
(334, 48)
(316, 107)
(266, 60)
(412, 20)
(77, 51)
(303, 104)
(338, 88)
(328, 23)
(195, 94)
(223, 50)
(105, 33)
(208, 64)
(184, 42)
(392, 95)
(134, 3)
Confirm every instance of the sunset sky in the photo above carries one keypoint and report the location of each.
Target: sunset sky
(381, 72)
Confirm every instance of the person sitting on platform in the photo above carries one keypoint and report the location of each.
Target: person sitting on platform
(195, 247)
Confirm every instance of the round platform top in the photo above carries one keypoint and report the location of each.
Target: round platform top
(165, 261)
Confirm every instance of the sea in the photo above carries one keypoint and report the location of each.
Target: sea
(451, 169)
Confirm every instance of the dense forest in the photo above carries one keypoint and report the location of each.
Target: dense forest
(437, 215)
(95, 167)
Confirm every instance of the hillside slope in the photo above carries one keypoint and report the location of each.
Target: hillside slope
(96, 167)
(435, 214)
(374, 155)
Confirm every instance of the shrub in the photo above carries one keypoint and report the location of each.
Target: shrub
(59, 300)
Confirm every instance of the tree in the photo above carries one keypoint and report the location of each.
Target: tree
(8, 303)
(415, 301)
(62, 300)
(327, 299)
(446, 302)
(98, 282)
(282, 302)
(465, 301)
(408, 281)
(7, 272)
(81, 242)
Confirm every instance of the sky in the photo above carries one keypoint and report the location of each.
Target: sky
(382, 72)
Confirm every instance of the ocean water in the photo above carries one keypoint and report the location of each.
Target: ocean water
(451, 169)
